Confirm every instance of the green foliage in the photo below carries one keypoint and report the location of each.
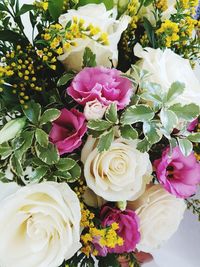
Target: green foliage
(65, 79)
(105, 140)
(89, 58)
(99, 125)
(108, 3)
(194, 206)
(49, 115)
(185, 146)
(25, 8)
(128, 132)
(111, 113)
(33, 112)
(55, 8)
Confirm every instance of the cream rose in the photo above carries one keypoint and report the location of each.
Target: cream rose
(119, 174)
(167, 67)
(94, 110)
(160, 214)
(98, 16)
(39, 224)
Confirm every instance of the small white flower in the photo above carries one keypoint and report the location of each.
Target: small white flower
(94, 110)
(39, 224)
(98, 16)
(119, 174)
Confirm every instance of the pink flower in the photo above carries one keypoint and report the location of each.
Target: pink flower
(192, 125)
(128, 227)
(178, 174)
(105, 85)
(68, 130)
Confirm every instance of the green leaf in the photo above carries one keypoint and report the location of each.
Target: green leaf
(55, 8)
(42, 137)
(12, 37)
(28, 138)
(108, 3)
(147, 2)
(89, 58)
(65, 164)
(195, 137)
(75, 173)
(151, 132)
(65, 79)
(137, 113)
(16, 165)
(63, 175)
(99, 125)
(17, 142)
(3, 7)
(186, 112)
(128, 132)
(49, 115)
(143, 145)
(105, 141)
(175, 90)
(33, 112)
(185, 146)
(169, 119)
(5, 150)
(111, 113)
(39, 173)
(150, 31)
(48, 155)
(25, 8)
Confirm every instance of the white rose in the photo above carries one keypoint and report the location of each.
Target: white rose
(119, 174)
(94, 110)
(166, 67)
(147, 12)
(98, 16)
(160, 214)
(39, 224)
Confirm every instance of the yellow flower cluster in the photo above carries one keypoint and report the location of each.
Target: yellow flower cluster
(43, 5)
(162, 5)
(188, 4)
(187, 26)
(169, 31)
(107, 237)
(48, 57)
(62, 39)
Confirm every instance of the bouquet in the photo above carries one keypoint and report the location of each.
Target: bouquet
(100, 133)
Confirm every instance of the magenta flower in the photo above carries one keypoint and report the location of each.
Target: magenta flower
(128, 227)
(192, 125)
(68, 130)
(105, 85)
(178, 174)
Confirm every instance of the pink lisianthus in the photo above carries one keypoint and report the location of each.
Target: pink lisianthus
(68, 130)
(128, 230)
(178, 174)
(192, 125)
(105, 85)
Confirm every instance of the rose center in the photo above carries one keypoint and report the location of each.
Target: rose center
(170, 172)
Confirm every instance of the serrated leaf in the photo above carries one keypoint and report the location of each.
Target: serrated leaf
(143, 145)
(137, 113)
(111, 113)
(33, 112)
(176, 89)
(75, 173)
(65, 164)
(105, 141)
(41, 137)
(128, 132)
(186, 146)
(169, 119)
(48, 155)
(15, 165)
(38, 173)
(49, 115)
(65, 79)
(99, 125)
(195, 137)
(186, 112)
(89, 58)
(152, 132)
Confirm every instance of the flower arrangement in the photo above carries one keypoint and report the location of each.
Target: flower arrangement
(100, 133)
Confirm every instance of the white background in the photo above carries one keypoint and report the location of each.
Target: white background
(183, 249)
